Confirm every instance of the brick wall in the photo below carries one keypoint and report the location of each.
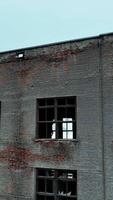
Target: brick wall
(78, 68)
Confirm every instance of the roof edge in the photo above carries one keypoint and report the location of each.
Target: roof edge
(58, 43)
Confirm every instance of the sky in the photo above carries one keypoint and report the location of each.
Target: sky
(26, 23)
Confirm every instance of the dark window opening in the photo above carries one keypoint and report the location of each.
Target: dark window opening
(49, 186)
(41, 185)
(19, 55)
(56, 118)
(56, 184)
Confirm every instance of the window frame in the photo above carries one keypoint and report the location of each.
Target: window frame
(56, 194)
(56, 106)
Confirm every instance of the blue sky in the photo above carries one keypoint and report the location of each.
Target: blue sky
(25, 23)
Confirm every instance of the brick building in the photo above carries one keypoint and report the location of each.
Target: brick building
(56, 115)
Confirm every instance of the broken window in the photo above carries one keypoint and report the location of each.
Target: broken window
(19, 55)
(56, 184)
(56, 118)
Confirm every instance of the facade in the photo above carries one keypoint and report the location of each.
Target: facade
(56, 117)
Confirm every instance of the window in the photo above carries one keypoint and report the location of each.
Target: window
(54, 184)
(19, 55)
(56, 118)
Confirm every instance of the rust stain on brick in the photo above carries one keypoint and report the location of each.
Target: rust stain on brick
(24, 72)
(59, 56)
(18, 158)
(30, 70)
(50, 143)
(3, 81)
(56, 54)
(9, 187)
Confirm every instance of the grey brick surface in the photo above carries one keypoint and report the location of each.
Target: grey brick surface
(80, 68)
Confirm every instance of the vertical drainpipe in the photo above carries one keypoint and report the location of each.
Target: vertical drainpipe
(101, 93)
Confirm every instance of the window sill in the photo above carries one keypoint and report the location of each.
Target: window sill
(54, 140)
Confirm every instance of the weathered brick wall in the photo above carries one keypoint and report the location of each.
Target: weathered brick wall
(107, 62)
(68, 69)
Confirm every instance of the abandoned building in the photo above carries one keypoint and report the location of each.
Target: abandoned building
(56, 119)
